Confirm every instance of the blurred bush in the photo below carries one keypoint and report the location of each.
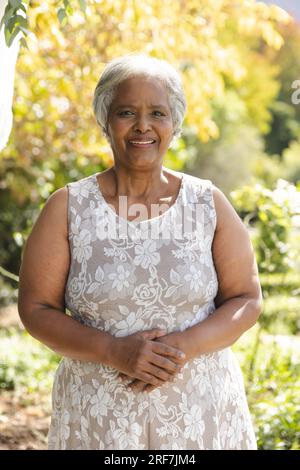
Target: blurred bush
(275, 215)
(271, 371)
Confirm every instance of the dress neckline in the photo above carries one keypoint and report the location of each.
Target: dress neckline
(153, 219)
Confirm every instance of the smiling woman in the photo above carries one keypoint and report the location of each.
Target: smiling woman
(156, 303)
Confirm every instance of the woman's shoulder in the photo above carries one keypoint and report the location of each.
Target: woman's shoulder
(218, 203)
(83, 189)
(197, 189)
(190, 180)
(205, 191)
(86, 181)
(196, 181)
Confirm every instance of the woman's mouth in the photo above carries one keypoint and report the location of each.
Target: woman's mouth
(141, 143)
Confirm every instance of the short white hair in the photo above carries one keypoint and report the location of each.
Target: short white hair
(137, 65)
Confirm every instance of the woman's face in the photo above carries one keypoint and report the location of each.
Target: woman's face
(139, 113)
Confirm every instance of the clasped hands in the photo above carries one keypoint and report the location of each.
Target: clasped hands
(150, 358)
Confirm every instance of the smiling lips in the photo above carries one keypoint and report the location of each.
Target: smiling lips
(141, 143)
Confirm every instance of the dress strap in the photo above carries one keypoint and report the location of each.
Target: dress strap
(200, 191)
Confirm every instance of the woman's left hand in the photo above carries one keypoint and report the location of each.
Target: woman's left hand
(176, 340)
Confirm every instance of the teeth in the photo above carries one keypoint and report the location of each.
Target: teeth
(141, 143)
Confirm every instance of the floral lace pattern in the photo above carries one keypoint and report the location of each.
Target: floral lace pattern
(131, 283)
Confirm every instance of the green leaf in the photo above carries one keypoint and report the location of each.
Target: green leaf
(15, 3)
(11, 23)
(23, 43)
(25, 30)
(13, 35)
(69, 10)
(22, 21)
(7, 14)
(7, 35)
(16, 20)
(62, 16)
(22, 7)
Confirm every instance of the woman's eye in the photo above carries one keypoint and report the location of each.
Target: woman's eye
(123, 112)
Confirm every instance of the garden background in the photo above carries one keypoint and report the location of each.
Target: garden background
(240, 65)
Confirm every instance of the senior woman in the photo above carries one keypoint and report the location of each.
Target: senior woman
(155, 301)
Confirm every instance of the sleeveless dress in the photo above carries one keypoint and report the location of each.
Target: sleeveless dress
(131, 282)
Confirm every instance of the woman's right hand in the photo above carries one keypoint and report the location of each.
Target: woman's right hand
(140, 357)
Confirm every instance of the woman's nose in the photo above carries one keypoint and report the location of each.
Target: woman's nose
(142, 124)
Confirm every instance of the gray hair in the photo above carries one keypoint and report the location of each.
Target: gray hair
(133, 65)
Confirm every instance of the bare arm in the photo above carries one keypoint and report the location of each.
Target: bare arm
(43, 276)
(239, 298)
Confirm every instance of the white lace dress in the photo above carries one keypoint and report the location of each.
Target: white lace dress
(134, 282)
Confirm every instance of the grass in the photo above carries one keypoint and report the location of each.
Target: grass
(26, 366)
(271, 369)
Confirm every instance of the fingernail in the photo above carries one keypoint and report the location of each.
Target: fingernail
(182, 354)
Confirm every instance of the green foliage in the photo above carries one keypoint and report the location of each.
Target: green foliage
(177, 155)
(273, 212)
(55, 138)
(239, 144)
(267, 170)
(62, 16)
(68, 9)
(8, 291)
(15, 18)
(270, 365)
(281, 314)
(285, 126)
(26, 366)
(291, 161)
(281, 303)
(23, 193)
(15, 21)
(214, 49)
(280, 283)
